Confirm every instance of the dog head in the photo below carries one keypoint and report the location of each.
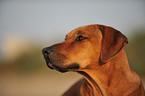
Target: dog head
(83, 47)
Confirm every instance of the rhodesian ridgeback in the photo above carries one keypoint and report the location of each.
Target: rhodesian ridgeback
(97, 53)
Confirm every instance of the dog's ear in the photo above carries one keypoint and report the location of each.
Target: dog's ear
(112, 42)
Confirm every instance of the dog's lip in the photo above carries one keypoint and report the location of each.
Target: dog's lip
(46, 57)
(50, 65)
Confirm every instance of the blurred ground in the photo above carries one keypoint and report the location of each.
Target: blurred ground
(37, 84)
(41, 83)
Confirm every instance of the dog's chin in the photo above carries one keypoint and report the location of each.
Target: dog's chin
(50, 65)
(60, 69)
(63, 68)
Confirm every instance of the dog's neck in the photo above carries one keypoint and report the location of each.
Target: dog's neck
(101, 80)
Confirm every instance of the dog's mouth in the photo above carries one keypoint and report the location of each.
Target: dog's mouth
(49, 64)
(59, 66)
(52, 66)
(53, 63)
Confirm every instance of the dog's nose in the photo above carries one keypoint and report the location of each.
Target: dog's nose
(47, 51)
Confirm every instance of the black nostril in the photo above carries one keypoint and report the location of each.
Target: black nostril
(47, 51)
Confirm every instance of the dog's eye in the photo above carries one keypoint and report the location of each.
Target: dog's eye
(80, 38)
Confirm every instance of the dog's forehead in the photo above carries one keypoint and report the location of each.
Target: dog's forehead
(87, 30)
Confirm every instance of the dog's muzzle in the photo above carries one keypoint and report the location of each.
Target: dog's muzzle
(54, 60)
(46, 52)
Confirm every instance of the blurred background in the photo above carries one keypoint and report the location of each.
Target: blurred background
(27, 26)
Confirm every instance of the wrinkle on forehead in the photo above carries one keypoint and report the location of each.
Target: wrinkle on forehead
(73, 33)
(84, 30)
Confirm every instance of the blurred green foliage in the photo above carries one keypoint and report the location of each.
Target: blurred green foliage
(136, 52)
(30, 62)
(25, 63)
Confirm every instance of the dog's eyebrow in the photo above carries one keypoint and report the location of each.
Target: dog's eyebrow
(78, 32)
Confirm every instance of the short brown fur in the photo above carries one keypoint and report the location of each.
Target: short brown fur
(97, 53)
